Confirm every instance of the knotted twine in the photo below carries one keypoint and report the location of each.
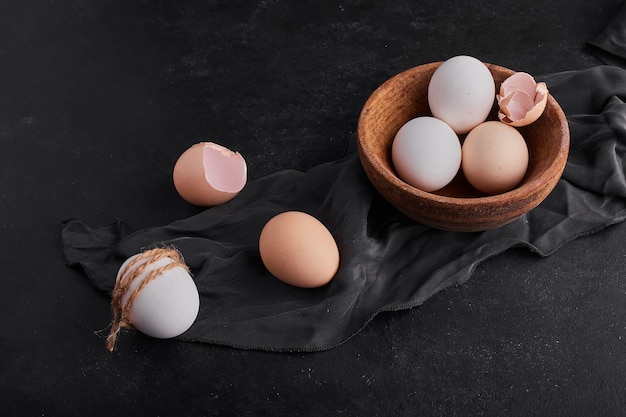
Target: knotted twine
(121, 314)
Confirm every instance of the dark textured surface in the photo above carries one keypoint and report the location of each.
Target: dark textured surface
(97, 101)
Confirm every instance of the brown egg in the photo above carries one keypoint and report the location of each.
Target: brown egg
(208, 174)
(495, 157)
(298, 249)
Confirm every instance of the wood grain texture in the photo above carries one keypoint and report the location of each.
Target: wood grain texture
(458, 206)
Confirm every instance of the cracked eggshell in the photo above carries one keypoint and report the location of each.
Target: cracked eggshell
(208, 174)
(521, 100)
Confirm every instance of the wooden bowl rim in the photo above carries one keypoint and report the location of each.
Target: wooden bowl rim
(519, 193)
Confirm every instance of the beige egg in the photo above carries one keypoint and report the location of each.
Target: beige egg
(208, 174)
(494, 157)
(298, 249)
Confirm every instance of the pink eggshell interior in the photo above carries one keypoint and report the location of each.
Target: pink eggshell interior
(224, 169)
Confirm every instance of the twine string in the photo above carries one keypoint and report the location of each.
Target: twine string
(121, 315)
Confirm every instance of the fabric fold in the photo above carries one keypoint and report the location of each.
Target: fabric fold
(609, 44)
(388, 262)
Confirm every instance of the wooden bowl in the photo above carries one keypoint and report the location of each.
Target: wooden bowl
(458, 206)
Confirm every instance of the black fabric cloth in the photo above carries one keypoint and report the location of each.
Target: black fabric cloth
(608, 45)
(387, 261)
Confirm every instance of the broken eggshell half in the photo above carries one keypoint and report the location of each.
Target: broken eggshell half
(208, 174)
(521, 99)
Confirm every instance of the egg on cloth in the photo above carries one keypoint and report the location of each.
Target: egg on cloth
(208, 174)
(495, 157)
(461, 92)
(155, 294)
(299, 250)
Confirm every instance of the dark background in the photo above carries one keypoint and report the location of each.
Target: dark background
(99, 98)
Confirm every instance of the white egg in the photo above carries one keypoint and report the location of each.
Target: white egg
(426, 153)
(167, 305)
(461, 92)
